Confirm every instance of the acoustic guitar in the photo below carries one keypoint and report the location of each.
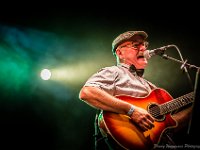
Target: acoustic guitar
(159, 103)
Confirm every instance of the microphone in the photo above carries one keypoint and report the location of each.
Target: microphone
(158, 51)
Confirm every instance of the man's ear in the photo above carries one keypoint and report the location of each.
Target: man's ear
(118, 52)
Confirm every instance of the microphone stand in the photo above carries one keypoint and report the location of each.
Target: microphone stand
(196, 88)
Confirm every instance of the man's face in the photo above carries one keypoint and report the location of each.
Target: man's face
(131, 52)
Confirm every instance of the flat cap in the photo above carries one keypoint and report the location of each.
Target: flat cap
(126, 36)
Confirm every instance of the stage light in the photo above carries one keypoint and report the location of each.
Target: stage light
(45, 74)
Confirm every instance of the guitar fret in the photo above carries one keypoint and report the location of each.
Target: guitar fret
(178, 105)
(163, 109)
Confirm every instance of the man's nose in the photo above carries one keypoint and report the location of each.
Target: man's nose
(141, 48)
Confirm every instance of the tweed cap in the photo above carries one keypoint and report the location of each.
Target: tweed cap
(126, 36)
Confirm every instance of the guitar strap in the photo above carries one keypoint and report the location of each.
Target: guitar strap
(98, 138)
(103, 142)
(96, 132)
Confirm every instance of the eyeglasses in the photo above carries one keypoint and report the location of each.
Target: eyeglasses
(136, 45)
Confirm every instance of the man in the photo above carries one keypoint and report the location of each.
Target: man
(124, 78)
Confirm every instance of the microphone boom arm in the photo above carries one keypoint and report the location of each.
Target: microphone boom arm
(165, 56)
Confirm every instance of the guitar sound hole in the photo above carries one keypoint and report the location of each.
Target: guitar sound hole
(154, 110)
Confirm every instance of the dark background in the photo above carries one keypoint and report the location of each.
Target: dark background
(76, 39)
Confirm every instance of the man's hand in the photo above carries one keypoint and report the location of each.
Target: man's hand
(142, 118)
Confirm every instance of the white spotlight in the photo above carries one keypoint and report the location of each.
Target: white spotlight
(45, 74)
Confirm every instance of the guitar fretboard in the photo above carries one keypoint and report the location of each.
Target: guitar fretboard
(176, 103)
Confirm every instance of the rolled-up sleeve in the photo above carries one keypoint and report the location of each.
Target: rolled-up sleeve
(103, 79)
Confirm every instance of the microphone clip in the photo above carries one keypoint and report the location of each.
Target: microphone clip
(160, 51)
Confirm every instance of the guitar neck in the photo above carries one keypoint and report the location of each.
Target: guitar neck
(176, 103)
